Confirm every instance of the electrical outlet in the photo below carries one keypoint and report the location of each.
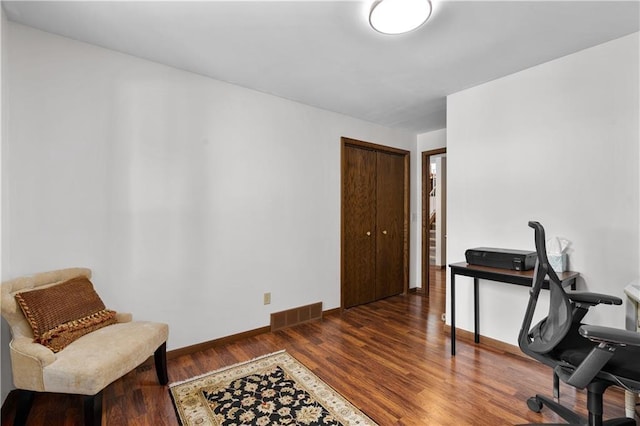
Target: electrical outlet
(267, 298)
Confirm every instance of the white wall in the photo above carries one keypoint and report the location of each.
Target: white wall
(188, 197)
(431, 140)
(5, 370)
(425, 142)
(557, 143)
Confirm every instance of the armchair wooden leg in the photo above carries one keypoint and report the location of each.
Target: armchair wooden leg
(93, 409)
(160, 357)
(25, 399)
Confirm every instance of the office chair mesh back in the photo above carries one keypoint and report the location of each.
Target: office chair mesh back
(546, 335)
(549, 332)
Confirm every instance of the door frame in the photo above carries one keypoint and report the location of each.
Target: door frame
(426, 169)
(344, 142)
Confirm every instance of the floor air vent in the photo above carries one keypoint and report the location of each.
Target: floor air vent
(294, 316)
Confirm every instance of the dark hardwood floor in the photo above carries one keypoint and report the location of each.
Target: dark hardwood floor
(390, 358)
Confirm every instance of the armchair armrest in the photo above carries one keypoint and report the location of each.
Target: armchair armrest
(123, 317)
(28, 361)
(24, 346)
(593, 298)
(611, 335)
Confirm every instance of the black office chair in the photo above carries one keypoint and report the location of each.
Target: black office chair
(583, 356)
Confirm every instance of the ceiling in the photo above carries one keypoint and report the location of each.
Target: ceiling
(324, 54)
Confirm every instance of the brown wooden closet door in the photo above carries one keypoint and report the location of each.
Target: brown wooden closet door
(359, 212)
(390, 224)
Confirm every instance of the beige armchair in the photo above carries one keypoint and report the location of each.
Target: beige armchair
(85, 365)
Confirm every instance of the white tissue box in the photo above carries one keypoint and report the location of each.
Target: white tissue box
(558, 262)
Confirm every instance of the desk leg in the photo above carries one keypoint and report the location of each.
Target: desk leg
(476, 310)
(453, 313)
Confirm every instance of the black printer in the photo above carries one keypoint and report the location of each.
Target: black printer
(518, 260)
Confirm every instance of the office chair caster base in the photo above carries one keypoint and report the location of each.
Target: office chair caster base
(559, 409)
(534, 404)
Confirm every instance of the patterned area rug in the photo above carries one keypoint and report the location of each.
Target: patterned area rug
(272, 390)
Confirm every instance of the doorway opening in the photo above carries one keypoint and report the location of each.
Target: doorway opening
(433, 215)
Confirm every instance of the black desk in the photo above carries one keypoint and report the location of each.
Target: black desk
(524, 278)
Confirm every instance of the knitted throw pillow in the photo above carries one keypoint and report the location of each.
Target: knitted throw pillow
(60, 314)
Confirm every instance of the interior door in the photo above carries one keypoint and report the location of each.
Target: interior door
(359, 220)
(390, 175)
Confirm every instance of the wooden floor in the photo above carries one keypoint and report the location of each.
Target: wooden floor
(390, 358)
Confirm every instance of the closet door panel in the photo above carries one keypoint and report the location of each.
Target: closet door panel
(359, 215)
(390, 217)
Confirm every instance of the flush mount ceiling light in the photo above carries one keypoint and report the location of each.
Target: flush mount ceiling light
(399, 16)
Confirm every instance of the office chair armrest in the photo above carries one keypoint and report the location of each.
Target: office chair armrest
(608, 339)
(593, 298)
(611, 335)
